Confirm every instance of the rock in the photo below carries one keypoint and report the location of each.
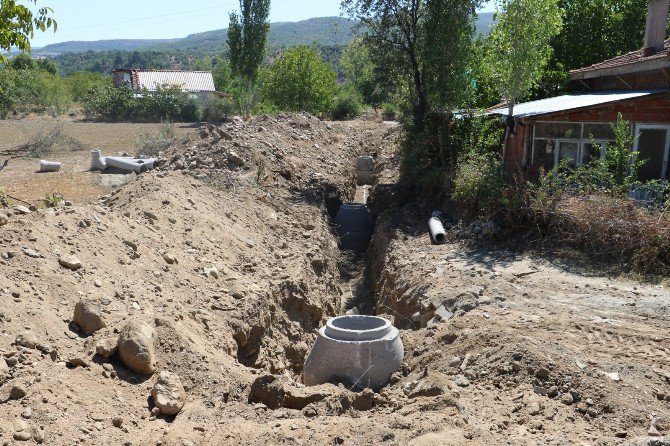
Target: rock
(614, 376)
(32, 253)
(71, 262)
(301, 397)
(136, 348)
(150, 215)
(650, 441)
(534, 407)
(88, 315)
(542, 373)
(4, 371)
(15, 392)
(106, 347)
(170, 259)
(213, 272)
(432, 385)
(22, 435)
(22, 210)
(78, 361)
(235, 159)
(117, 422)
(3, 220)
(168, 393)
(269, 390)
(567, 399)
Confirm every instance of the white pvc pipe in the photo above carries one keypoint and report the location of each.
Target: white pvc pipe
(98, 161)
(49, 166)
(131, 164)
(437, 231)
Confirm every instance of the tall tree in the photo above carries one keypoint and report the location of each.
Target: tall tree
(247, 41)
(18, 25)
(427, 40)
(520, 47)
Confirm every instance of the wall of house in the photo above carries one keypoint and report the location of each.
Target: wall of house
(654, 110)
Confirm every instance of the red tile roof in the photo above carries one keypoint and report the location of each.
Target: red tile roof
(631, 58)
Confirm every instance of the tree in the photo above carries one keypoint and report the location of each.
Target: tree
(427, 40)
(300, 81)
(371, 79)
(247, 41)
(519, 47)
(18, 24)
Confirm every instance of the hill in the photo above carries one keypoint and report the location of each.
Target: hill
(99, 45)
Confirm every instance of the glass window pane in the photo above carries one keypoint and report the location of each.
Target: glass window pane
(568, 151)
(558, 130)
(591, 152)
(544, 153)
(651, 145)
(598, 131)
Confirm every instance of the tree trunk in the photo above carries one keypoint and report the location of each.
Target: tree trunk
(250, 97)
(507, 133)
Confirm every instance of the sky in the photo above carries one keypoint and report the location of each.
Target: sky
(162, 19)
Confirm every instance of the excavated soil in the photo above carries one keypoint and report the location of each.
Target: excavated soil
(228, 252)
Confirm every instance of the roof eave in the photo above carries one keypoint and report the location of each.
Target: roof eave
(635, 67)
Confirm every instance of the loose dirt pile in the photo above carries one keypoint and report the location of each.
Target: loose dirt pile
(196, 290)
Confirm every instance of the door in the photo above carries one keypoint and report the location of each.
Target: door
(652, 144)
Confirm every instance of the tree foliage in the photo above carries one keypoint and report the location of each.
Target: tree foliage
(18, 24)
(427, 41)
(520, 45)
(247, 41)
(300, 81)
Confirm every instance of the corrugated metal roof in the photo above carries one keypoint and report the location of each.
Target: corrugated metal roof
(186, 80)
(572, 102)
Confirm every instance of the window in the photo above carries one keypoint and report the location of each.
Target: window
(578, 143)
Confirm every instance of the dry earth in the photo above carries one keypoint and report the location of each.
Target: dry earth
(227, 252)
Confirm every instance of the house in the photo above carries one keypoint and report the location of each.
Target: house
(196, 83)
(577, 127)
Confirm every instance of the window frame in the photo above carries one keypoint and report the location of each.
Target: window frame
(637, 128)
(581, 141)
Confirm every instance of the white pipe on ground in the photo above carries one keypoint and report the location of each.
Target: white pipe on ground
(437, 232)
(131, 164)
(50, 166)
(98, 161)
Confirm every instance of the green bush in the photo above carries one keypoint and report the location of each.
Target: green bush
(122, 104)
(32, 90)
(347, 106)
(219, 109)
(80, 84)
(478, 183)
(300, 81)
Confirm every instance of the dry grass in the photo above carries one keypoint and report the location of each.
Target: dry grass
(611, 228)
(49, 139)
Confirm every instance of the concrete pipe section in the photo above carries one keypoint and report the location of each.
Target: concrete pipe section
(361, 351)
(50, 166)
(354, 226)
(365, 170)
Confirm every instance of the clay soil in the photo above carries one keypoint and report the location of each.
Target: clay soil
(530, 351)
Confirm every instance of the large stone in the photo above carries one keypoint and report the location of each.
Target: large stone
(88, 315)
(137, 347)
(3, 220)
(301, 397)
(269, 390)
(168, 393)
(71, 262)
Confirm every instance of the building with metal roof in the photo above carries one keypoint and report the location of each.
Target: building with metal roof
(577, 127)
(188, 81)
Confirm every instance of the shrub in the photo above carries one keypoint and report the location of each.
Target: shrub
(300, 81)
(48, 140)
(32, 90)
(478, 183)
(122, 104)
(81, 84)
(219, 109)
(347, 106)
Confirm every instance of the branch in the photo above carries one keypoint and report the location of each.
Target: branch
(4, 164)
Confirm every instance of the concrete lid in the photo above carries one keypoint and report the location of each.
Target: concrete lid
(357, 328)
